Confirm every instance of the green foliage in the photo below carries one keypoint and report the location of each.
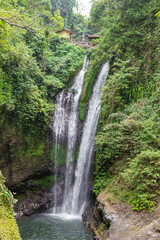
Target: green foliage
(142, 179)
(58, 21)
(120, 85)
(44, 182)
(79, 25)
(129, 121)
(95, 17)
(35, 65)
(6, 195)
(33, 71)
(118, 141)
(101, 180)
(130, 36)
(158, 14)
(24, 14)
(8, 226)
(65, 61)
(65, 6)
(127, 156)
(38, 152)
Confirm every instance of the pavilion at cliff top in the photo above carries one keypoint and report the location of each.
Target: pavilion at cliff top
(91, 37)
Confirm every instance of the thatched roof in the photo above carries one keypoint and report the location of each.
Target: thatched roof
(94, 36)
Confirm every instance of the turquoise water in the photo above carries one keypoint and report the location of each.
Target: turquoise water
(49, 227)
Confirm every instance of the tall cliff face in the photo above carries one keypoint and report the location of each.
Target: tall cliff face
(27, 168)
(8, 226)
(20, 162)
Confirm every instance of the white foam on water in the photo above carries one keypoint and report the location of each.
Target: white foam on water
(66, 216)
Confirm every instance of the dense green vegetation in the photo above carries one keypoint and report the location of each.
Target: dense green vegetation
(128, 144)
(35, 65)
(8, 227)
(65, 7)
(75, 22)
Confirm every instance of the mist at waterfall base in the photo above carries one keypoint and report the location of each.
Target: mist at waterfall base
(72, 194)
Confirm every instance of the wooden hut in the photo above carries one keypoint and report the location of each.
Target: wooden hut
(66, 33)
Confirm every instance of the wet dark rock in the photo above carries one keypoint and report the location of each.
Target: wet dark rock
(34, 203)
(96, 223)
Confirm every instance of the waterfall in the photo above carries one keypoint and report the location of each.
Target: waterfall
(80, 190)
(65, 133)
(72, 137)
(72, 197)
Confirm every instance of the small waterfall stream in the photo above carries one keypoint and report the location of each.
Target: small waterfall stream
(71, 197)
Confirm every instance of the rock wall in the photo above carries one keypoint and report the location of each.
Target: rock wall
(34, 203)
(27, 170)
(110, 219)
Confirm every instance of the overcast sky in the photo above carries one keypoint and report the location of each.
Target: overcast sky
(85, 7)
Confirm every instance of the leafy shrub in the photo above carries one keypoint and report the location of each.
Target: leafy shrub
(8, 226)
(127, 159)
(117, 142)
(44, 182)
(142, 180)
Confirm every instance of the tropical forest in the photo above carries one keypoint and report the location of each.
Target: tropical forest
(79, 119)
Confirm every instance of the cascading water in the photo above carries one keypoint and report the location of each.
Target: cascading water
(80, 190)
(72, 137)
(72, 197)
(65, 133)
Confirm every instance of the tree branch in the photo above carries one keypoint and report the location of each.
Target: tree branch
(20, 26)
